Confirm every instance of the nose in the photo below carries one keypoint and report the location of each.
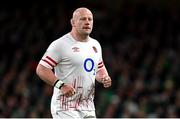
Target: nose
(87, 23)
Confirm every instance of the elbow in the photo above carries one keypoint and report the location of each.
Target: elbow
(37, 70)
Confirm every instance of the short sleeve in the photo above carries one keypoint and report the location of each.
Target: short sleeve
(52, 56)
(100, 62)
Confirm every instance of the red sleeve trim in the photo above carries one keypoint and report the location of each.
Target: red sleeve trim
(100, 66)
(47, 62)
(100, 63)
(51, 60)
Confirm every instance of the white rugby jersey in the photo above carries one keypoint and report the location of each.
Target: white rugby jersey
(75, 63)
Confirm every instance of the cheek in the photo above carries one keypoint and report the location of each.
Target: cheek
(79, 25)
(92, 25)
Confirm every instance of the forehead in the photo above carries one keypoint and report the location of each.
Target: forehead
(82, 13)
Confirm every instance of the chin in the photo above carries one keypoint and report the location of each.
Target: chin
(86, 33)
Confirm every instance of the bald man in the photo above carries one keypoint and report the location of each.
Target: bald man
(77, 61)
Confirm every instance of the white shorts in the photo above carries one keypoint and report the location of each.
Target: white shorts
(74, 115)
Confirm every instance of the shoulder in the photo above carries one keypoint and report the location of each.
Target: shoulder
(59, 43)
(94, 42)
(64, 40)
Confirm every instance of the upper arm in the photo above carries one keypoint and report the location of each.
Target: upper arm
(42, 70)
(52, 56)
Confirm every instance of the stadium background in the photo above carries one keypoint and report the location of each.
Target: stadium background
(140, 41)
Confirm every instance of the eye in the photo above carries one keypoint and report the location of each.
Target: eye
(86, 18)
(83, 18)
(90, 19)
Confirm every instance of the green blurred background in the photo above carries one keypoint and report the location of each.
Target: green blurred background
(140, 41)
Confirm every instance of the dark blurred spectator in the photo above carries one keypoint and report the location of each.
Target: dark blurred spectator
(141, 41)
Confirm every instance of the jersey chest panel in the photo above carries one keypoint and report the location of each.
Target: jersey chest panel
(81, 56)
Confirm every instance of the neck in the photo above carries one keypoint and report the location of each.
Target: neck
(78, 37)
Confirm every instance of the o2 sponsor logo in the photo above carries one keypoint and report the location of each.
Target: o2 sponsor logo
(89, 65)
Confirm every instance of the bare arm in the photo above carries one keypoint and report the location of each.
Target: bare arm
(103, 77)
(46, 74)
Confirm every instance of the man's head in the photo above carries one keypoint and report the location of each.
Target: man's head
(82, 21)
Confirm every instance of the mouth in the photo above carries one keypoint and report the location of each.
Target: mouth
(87, 28)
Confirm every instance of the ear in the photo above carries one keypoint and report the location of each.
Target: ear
(72, 22)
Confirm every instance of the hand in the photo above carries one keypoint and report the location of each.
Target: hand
(106, 81)
(68, 90)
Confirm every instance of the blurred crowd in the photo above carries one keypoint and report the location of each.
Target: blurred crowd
(141, 50)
